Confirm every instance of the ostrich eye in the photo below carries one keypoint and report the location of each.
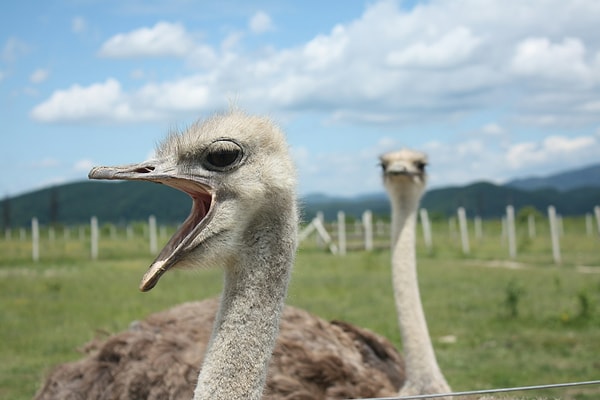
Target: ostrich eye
(420, 166)
(222, 155)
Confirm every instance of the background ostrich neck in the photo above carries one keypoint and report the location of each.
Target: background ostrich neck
(247, 323)
(418, 351)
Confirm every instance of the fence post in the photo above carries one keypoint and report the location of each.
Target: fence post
(510, 230)
(341, 218)
(129, 232)
(478, 228)
(152, 234)
(94, 237)
(452, 227)
(597, 214)
(464, 230)
(554, 234)
(35, 239)
(319, 240)
(426, 229)
(531, 225)
(367, 219)
(588, 224)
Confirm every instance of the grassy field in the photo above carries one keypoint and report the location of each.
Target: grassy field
(495, 322)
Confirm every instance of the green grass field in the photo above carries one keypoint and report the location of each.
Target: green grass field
(494, 323)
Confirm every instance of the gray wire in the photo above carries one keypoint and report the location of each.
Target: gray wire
(489, 391)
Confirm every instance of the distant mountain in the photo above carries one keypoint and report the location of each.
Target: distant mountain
(568, 180)
(482, 198)
(120, 202)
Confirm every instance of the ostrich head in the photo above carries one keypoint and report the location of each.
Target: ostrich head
(235, 167)
(404, 170)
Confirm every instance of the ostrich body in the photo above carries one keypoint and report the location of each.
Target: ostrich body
(405, 179)
(244, 218)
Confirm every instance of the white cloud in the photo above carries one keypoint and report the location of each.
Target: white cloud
(163, 39)
(445, 51)
(540, 58)
(552, 149)
(13, 49)
(47, 162)
(260, 23)
(39, 75)
(440, 61)
(189, 94)
(83, 165)
(492, 129)
(137, 73)
(98, 101)
(107, 102)
(78, 24)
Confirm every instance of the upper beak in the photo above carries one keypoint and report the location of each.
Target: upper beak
(397, 169)
(160, 171)
(152, 170)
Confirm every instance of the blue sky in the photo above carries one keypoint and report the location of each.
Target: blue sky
(491, 90)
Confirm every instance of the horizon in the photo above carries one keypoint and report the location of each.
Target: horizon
(492, 92)
(379, 191)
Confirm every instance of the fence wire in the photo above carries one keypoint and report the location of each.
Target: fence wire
(490, 391)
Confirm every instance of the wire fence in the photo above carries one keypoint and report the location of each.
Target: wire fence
(538, 239)
(492, 391)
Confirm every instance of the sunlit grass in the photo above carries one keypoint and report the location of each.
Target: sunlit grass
(52, 307)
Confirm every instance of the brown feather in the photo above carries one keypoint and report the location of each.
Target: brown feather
(160, 356)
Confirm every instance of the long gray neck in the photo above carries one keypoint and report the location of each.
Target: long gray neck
(247, 325)
(421, 364)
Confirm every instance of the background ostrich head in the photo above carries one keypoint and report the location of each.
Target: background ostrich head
(404, 172)
(233, 166)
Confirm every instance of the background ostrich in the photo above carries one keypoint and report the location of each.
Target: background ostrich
(404, 178)
(239, 174)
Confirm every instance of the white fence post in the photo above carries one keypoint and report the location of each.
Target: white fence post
(129, 232)
(367, 219)
(94, 237)
(588, 224)
(597, 214)
(554, 234)
(464, 230)
(319, 240)
(35, 239)
(531, 225)
(478, 228)
(152, 234)
(424, 215)
(341, 218)
(510, 230)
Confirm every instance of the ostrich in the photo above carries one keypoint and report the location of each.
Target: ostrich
(238, 172)
(404, 178)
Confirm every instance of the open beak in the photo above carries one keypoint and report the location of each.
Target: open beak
(202, 195)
